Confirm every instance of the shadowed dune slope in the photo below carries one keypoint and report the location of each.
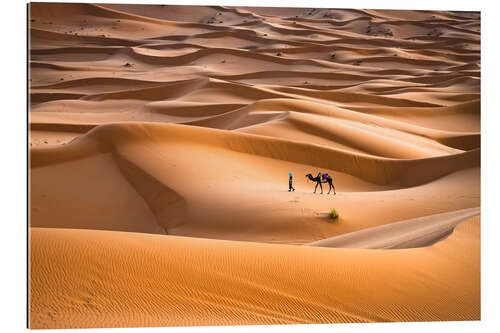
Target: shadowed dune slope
(373, 169)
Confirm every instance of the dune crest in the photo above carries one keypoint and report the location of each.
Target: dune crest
(419, 232)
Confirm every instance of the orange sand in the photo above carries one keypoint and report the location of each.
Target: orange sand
(153, 122)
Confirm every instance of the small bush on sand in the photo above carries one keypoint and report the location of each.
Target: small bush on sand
(332, 55)
(333, 215)
(278, 54)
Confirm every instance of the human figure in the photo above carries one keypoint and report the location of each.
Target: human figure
(290, 181)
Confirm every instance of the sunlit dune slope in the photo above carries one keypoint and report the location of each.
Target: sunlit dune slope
(88, 278)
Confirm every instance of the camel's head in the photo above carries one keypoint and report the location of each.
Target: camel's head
(309, 176)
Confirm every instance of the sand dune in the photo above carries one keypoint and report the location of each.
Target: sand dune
(88, 278)
(161, 138)
(164, 155)
(379, 170)
(419, 232)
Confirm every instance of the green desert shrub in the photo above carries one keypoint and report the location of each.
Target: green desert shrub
(334, 215)
(332, 55)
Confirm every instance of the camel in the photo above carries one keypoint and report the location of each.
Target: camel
(318, 181)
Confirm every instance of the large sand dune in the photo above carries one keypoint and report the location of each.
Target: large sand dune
(152, 122)
(89, 278)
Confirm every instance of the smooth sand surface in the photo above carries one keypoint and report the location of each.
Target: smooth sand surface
(161, 138)
(418, 232)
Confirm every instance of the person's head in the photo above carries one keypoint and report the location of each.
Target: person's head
(290, 173)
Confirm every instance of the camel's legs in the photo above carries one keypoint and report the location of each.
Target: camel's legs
(330, 186)
(320, 186)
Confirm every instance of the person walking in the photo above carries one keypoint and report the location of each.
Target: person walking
(290, 181)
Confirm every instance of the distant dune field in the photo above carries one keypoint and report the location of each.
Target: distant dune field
(161, 138)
